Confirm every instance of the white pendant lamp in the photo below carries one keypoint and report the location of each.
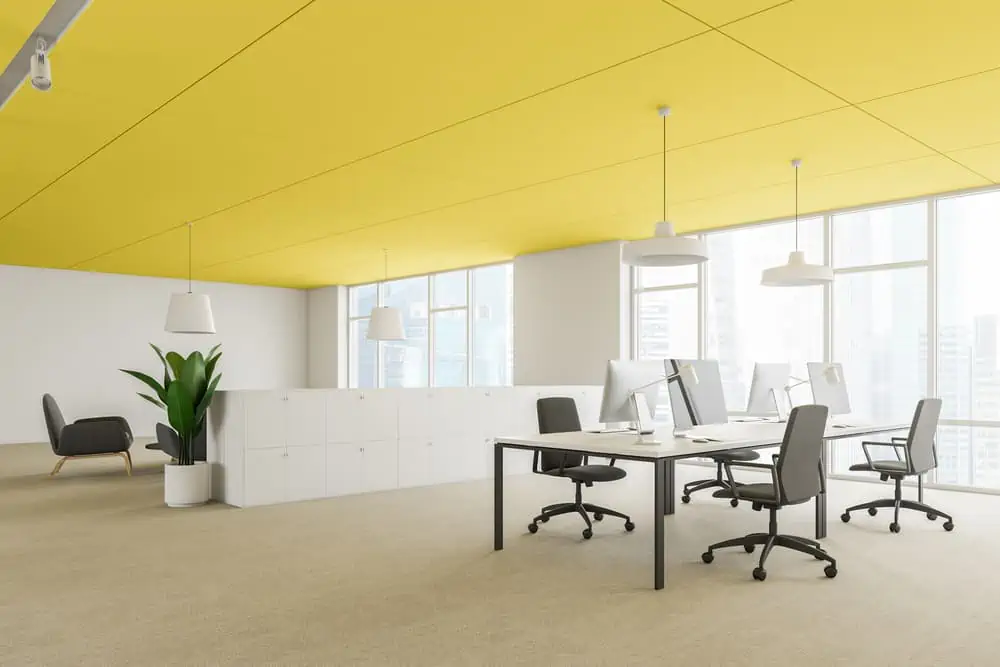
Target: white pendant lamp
(386, 322)
(665, 248)
(188, 312)
(796, 272)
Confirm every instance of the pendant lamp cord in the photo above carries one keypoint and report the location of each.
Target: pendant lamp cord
(664, 112)
(796, 163)
(189, 257)
(385, 267)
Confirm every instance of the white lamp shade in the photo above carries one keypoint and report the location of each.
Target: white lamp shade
(386, 323)
(796, 273)
(665, 249)
(190, 313)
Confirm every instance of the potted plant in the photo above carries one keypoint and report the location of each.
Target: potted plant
(185, 394)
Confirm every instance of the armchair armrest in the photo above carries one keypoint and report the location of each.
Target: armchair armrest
(120, 420)
(100, 436)
(749, 464)
(896, 447)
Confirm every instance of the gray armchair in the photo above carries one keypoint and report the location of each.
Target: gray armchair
(91, 437)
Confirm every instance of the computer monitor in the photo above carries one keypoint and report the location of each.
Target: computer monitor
(767, 390)
(625, 378)
(829, 387)
(706, 399)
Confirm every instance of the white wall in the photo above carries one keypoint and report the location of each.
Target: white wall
(67, 333)
(570, 314)
(328, 337)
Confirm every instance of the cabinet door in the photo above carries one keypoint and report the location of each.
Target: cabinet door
(305, 472)
(360, 415)
(416, 412)
(265, 419)
(416, 462)
(265, 476)
(381, 465)
(344, 469)
(305, 418)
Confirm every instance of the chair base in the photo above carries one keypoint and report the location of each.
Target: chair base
(581, 508)
(126, 456)
(701, 484)
(772, 539)
(897, 503)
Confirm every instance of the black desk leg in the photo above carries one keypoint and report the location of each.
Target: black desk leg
(659, 496)
(920, 489)
(669, 488)
(821, 506)
(497, 497)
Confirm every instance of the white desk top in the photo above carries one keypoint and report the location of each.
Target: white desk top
(663, 444)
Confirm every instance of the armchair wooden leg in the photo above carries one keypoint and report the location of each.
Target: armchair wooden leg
(128, 462)
(59, 465)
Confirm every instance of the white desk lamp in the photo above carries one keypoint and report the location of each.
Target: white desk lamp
(831, 374)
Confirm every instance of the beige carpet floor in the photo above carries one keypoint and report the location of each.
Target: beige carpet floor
(95, 571)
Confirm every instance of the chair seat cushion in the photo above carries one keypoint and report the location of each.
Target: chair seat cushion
(763, 492)
(879, 466)
(590, 473)
(739, 455)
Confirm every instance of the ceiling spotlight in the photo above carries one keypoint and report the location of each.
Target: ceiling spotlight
(41, 70)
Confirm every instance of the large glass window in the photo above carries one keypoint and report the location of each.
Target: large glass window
(439, 326)
(746, 322)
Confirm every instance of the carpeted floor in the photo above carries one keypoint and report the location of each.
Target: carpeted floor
(95, 571)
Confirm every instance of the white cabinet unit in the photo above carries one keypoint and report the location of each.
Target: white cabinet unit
(271, 447)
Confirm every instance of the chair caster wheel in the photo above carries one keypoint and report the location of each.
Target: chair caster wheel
(545, 519)
(949, 526)
(708, 557)
(830, 571)
(598, 516)
(629, 526)
(759, 573)
(685, 499)
(932, 517)
(894, 527)
(872, 511)
(587, 533)
(734, 502)
(532, 528)
(748, 548)
(845, 517)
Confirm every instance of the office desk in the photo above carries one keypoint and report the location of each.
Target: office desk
(663, 455)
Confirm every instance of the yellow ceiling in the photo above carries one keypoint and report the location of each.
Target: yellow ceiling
(301, 137)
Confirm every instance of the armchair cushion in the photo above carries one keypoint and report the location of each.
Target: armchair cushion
(762, 492)
(121, 420)
(590, 473)
(93, 437)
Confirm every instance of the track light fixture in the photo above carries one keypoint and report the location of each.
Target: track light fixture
(41, 68)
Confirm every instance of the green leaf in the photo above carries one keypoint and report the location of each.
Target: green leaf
(159, 353)
(210, 365)
(154, 401)
(150, 382)
(211, 353)
(176, 363)
(199, 413)
(193, 376)
(180, 410)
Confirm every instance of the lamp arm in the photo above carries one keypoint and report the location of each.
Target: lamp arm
(797, 383)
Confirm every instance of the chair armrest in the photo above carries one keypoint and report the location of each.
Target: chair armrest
(899, 438)
(748, 464)
(896, 447)
(100, 436)
(120, 420)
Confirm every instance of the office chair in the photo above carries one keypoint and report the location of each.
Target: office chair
(918, 456)
(720, 460)
(796, 477)
(557, 414)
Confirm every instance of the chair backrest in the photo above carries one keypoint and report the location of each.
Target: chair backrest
(557, 414)
(920, 439)
(169, 441)
(798, 467)
(54, 421)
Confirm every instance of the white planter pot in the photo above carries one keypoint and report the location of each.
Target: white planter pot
(186, 486)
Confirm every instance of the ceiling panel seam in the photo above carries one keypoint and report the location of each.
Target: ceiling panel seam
(443, 207)
(831, 92)
(160, 107)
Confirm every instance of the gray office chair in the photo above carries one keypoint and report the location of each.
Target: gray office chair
(557, 414)
(796, 477)
(91, 437)
(918, 456)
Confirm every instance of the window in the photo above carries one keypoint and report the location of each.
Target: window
(746, 322)
(439, 326)
(665, 303)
